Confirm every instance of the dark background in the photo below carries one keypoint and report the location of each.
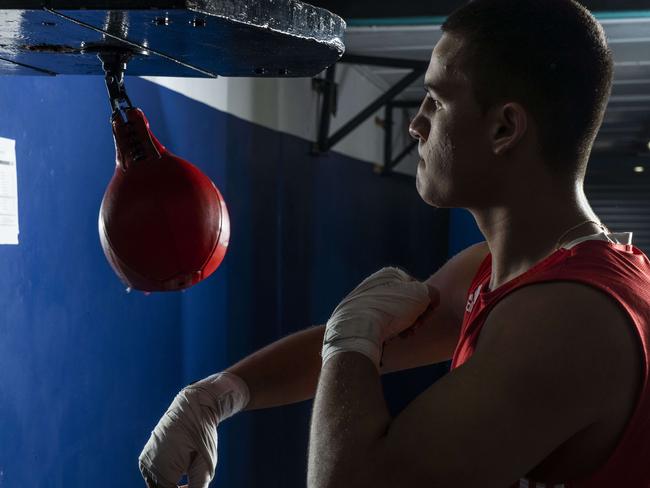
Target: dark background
(362, 9)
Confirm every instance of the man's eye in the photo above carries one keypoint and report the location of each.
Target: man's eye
(436, 104)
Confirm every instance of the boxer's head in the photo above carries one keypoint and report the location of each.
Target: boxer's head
(511, 83)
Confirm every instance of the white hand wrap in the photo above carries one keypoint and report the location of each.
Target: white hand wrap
(382, 306)
(185, 439)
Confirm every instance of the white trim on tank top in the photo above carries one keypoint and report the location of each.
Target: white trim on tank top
(614, 238)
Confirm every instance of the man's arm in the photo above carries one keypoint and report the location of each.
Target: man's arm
(287, 371)
(550, 363)
(185, 439)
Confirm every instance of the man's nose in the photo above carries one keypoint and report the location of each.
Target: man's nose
(414, 133)
(417, 128)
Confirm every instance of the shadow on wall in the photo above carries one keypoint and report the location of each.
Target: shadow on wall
(86, 370)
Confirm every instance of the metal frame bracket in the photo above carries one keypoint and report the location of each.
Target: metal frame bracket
(325, 86)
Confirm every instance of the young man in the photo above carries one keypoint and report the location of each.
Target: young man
(549, 375)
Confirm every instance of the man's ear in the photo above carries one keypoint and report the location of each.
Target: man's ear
(510, 126)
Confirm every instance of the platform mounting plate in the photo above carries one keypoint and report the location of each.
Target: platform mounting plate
(192, 38)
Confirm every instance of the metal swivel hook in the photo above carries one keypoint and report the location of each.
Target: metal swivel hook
(114, 64)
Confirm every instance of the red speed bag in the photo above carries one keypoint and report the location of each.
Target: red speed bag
(163, 224)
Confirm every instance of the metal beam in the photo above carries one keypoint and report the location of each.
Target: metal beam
(369, 110)
(328, 89)
(407, 150)
(389, 162)
(388, 137)
(407, 103)
(386, 62)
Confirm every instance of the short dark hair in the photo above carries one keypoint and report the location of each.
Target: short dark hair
(549, 55)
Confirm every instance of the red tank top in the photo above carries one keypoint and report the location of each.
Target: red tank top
(623, 272)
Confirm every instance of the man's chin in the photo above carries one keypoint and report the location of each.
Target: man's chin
(429, 196)
(424, 193)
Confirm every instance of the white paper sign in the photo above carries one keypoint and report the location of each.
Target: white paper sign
(8, 192)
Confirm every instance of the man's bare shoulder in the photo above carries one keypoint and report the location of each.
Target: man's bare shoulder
(454, 278)
(554, 361)
(566, 330)
(465, 262)
(437, 336)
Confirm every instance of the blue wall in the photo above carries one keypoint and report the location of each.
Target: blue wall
(77, 353)
(463, 231)
(86, 369)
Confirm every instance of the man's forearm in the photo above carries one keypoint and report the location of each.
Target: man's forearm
(349, 420)
(283, 372)
(287, 370)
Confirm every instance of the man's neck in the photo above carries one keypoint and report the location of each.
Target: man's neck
(523, 234)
